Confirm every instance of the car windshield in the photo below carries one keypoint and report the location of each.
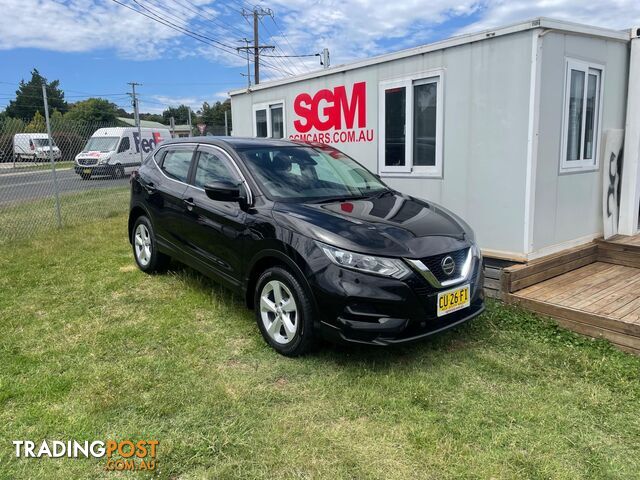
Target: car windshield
(301, 173)
(101, 144)
(42, 142)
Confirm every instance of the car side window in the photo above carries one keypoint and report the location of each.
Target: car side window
(124, 145)
(176, 163)
(213, 167)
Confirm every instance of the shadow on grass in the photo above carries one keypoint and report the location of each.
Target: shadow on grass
(460, 337)
(500, 328)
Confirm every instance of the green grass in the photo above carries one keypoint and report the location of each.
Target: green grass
(91, 348)
(26, 219)
(26, 167)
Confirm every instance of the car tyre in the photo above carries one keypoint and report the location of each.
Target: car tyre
(145, 248)
(284, 312)
(119, 172)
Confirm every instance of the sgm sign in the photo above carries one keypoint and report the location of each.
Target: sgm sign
(336, 115)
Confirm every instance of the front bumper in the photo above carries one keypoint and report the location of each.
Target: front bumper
(360, 308)
(101, 169)
(46, 156)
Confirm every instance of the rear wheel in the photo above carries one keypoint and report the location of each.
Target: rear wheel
(145, 248)
(283, 312)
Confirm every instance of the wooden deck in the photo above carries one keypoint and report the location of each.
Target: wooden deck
(593, 290)
(632, 240)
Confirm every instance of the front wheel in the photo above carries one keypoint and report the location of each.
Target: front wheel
(145, 248)
(284, 312)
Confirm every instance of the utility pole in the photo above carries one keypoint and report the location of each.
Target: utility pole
(190, 128)
(246, 49)
(136, 115)
(325, 62)
(53, 163)
(257, 13)
(226, 124)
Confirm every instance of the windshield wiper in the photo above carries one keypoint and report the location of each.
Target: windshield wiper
(382, 193)
(343, 198)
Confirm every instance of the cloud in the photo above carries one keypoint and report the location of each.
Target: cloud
(88, 25)
(158, 103)
(351, 29)
(617, 15)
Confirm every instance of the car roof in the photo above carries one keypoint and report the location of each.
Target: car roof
(236, 143)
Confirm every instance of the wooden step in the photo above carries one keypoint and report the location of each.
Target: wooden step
(622, 334)
(618, 252)
(521, 276)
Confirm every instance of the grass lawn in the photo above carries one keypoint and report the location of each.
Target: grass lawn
(46, 165)
(91, 348)
(25, 219)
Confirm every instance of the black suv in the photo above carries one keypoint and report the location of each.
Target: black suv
(311, 239)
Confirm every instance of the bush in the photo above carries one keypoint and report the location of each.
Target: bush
(6, 147)
(69, 143)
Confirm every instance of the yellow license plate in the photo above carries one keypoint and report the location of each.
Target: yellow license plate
(86, 171)
(453, 300)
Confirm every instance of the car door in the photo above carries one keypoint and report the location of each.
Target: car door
(124, 154)
(167, 195)
(216, 228)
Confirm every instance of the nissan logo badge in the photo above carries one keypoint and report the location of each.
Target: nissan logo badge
(448, 265)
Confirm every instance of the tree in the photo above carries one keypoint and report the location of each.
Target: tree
(93, 110)
(121, 112)
(180, 115)
(29, 99)
(37, 124)
(213, 115)
(153, 117)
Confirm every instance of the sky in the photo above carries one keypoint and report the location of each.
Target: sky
(95, 47)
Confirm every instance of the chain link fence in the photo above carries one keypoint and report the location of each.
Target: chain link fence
(57, 172)
(45, 184)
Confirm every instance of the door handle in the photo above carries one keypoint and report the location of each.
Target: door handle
(189, 203)
(149, 187)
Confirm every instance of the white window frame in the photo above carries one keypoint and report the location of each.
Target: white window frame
(408, 82)
(267, 106)
(582, 164)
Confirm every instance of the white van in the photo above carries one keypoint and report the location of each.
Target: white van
(116, 151)
(33, 146)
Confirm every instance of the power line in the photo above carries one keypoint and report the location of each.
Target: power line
(200, 11)
(158, 15)
(292, 56)
(279, 58)
(201, 38)
(286, 39)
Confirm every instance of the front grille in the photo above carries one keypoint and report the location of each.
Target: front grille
(434, 263)
(88, 161)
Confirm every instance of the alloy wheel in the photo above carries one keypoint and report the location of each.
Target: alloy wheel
(142, 240)
(279, 312)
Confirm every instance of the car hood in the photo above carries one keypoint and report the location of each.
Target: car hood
(393, 225)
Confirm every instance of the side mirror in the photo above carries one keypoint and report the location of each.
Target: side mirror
(223, 191)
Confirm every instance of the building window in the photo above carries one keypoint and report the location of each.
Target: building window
(411, 126)
(268, 120)
(582, 107)
(261, 123)
(277, 121)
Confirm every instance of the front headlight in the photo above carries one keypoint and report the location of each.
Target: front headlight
(388, 267)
